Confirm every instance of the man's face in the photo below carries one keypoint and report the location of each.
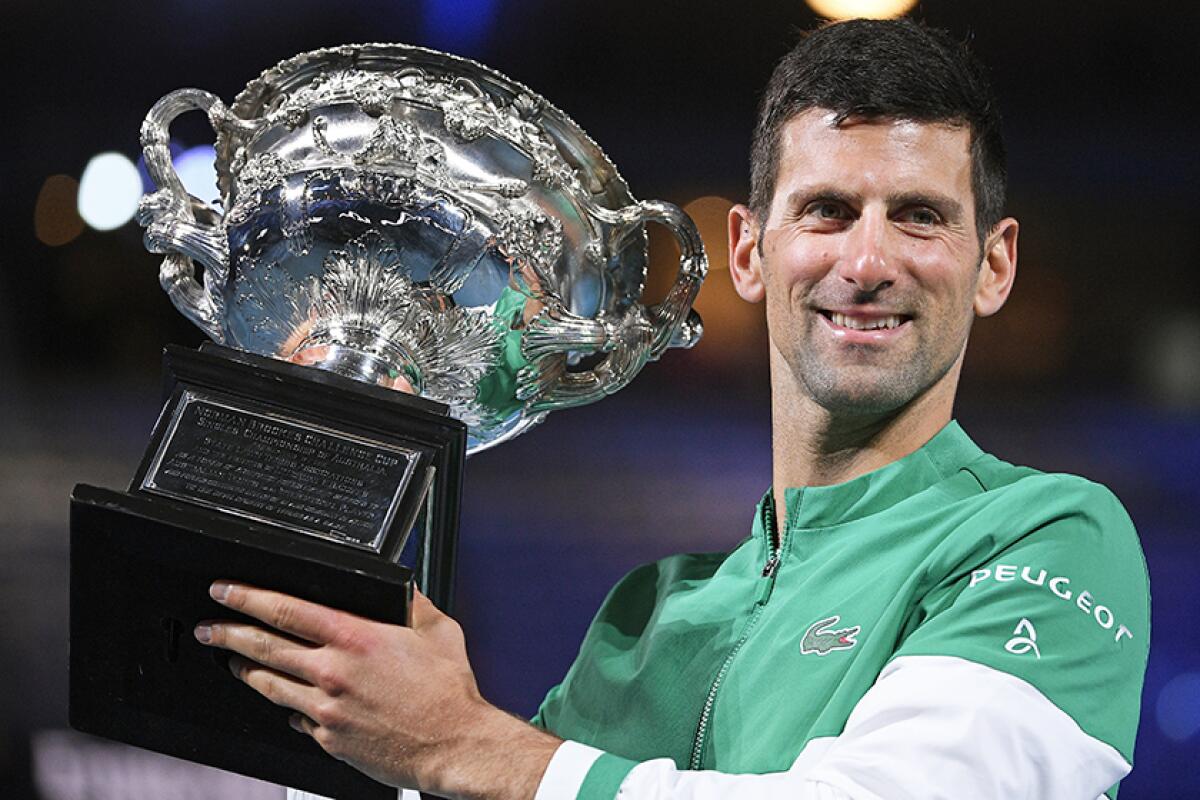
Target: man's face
(869, 258)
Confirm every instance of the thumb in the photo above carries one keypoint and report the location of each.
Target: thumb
(429, 620)
(424, 613)
(422, 608)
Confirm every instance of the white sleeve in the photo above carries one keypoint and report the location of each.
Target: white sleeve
(931, 727)
(296, 794)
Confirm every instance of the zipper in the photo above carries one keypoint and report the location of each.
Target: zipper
(706, 711)
(770, 569)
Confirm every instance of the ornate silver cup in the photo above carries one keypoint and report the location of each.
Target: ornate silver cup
(417, 220)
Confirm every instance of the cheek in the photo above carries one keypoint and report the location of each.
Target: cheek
(793, 264)
(945, 266)
(950, 283)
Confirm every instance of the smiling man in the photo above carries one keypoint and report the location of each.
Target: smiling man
(910, 617)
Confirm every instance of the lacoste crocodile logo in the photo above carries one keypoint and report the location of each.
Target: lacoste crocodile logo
(822, 641)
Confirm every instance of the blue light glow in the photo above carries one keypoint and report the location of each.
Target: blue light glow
(196, 169)
(1179, 707)
(459, 26)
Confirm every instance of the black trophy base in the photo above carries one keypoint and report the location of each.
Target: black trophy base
(140, 571)
(276, 475)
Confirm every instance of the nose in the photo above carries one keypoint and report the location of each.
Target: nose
(865, 261)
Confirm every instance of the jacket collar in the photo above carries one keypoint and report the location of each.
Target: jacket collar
(823, 506)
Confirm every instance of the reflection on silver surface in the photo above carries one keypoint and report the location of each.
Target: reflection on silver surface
(417, 220)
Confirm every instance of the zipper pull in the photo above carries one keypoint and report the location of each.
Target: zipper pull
(772, 565)
(768, 574)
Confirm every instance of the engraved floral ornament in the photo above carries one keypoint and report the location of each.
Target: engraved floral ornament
(363, 295)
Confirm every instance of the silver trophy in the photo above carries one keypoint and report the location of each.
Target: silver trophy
(402, 219)
(416, 220)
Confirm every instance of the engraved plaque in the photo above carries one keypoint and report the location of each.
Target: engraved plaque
(273, 468)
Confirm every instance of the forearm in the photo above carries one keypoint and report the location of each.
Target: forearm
(575, 765)
(930, 727)
(494, 756)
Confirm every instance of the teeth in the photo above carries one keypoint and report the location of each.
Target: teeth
(860, 324)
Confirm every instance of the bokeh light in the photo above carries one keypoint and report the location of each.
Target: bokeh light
(55, 218)
(1170, 358)
(109, 190)
(733, 328)
(1030, 337)
(1178, 708)
(196, 168)
(869, 9)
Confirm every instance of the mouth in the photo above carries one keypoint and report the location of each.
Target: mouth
(864, 326)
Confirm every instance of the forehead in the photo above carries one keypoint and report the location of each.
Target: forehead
(865, 157)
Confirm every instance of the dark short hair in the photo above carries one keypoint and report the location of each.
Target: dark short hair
(884, 69)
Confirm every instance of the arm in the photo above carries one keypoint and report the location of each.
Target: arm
(958, 713)
(931, 727)
(1020, 677)
(402, 705)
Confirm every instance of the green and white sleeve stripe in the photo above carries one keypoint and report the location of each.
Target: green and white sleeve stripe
(931, 727)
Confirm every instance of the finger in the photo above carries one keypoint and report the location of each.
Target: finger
(428, 619)
(278, 687)
(310, 621)
(424, 612)
(265, 647)
(430, 622)
(303, 724)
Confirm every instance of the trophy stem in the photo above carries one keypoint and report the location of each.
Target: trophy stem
(361, 365)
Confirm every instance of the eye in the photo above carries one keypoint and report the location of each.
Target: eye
(826, 210)
(920, 215)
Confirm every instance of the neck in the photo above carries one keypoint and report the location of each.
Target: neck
(813, 446)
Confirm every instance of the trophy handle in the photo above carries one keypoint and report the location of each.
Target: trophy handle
(178, 225)
(676, 323)
(641, 334)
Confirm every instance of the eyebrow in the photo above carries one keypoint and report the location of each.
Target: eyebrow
(799, 198)
(946, 205)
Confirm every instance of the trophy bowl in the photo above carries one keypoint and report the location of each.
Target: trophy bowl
(416, 220)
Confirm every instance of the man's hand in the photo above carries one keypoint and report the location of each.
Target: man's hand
(399, 704)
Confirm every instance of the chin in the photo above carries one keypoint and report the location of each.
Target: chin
(863, 404)
(863, 395)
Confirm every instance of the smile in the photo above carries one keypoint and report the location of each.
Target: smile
(866, 323)
(872, 327)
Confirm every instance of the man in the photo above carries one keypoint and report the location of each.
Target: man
(910, 617)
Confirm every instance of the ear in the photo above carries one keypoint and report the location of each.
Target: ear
(999, 268)
(745, 265)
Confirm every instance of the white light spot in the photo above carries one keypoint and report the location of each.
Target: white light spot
(1169, 364)
(197, 171)
(1179, 707)
(869, 9)
(109, 190)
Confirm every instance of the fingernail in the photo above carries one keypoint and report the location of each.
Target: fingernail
(203, 633)
(219, 591)
(237, 665)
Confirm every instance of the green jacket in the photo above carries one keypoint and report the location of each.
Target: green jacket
(736, 661)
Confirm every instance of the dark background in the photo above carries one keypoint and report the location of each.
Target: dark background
(1094, 366)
